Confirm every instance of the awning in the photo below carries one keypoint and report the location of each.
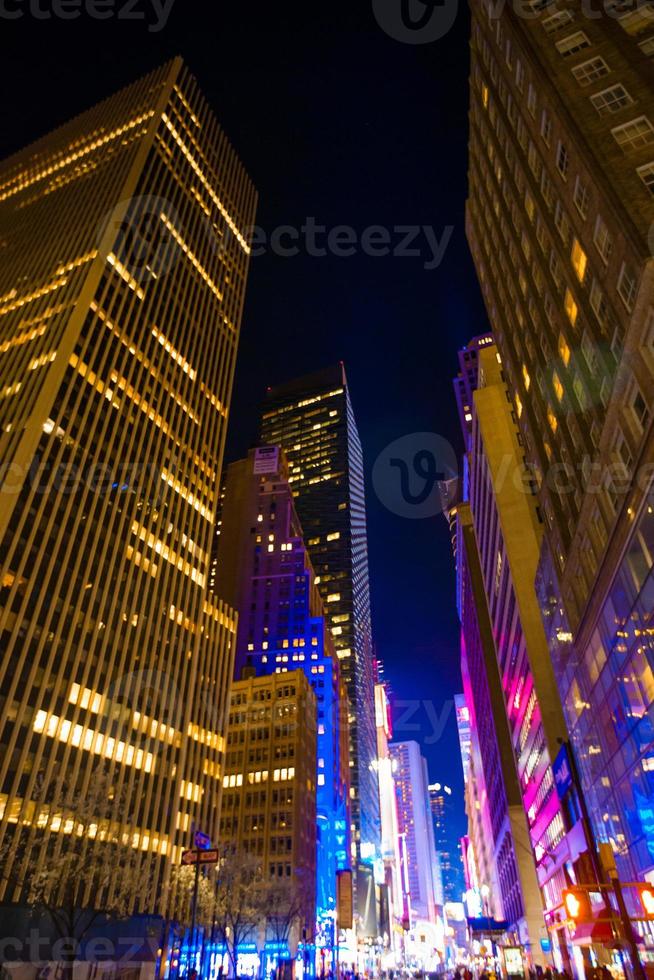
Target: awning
(487, 926)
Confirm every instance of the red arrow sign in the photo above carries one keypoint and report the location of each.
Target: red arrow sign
(199, 857)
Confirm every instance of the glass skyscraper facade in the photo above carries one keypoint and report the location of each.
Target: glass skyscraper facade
(124, 264)
(312, 419)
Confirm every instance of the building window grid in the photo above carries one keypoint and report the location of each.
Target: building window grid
(611, 100)
(572, 44)
(627, 285)
(561, 216)
(590, 71)
(634, 134)
(646, 174)
(557, 21)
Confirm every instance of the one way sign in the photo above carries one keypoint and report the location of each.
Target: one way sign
(199, 857)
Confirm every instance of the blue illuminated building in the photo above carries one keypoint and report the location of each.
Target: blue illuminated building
(607, 684)
(261, 566)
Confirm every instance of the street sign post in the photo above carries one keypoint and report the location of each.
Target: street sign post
(199, 857)
(195, 857)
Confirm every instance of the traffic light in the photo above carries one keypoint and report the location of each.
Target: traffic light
(577, 904)
(646, 893)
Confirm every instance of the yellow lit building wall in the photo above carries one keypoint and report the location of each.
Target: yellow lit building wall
(121, 289)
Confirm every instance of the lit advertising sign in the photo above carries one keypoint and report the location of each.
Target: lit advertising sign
(562, 772)
(513, 961)
(345, 899)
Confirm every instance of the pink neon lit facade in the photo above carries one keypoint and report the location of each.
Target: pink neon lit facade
(509, 530)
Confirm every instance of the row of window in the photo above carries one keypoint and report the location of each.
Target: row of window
(630, 135)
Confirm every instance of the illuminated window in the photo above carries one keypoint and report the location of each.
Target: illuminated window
(484, 95)
(558, 387)
(564, 350)
(571, 307)
(525, 375)
(551, 418)
(579, 260)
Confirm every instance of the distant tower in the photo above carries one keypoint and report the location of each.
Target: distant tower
(312, 419)
(439, 796)
(410, 774)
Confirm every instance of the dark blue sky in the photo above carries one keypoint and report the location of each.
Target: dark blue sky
(335, 121)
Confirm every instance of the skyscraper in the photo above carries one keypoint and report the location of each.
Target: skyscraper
(264, 571)
(269, 796)
(390, 830)
(410, 775)
(311, 418)
(509, 529)
(560, 210)
(504, 866)
(450, 886)
(124, 262)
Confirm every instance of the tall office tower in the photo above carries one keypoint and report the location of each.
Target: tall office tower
(509, 531)
(559, 216)
(508, 885)
(311, 418)
(119, 321)
(449, 887)
(264, 571)
(411, 781)
(269, 784)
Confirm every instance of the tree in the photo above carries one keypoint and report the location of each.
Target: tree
(181, 897)
(287, 903)
(182, 890)
(87, 869)
(240, 900)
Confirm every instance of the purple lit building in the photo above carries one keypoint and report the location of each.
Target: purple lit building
(261, 562)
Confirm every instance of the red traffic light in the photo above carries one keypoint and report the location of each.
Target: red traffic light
(577, 904)
(646, 893)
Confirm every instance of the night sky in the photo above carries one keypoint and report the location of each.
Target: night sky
(335, 121)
